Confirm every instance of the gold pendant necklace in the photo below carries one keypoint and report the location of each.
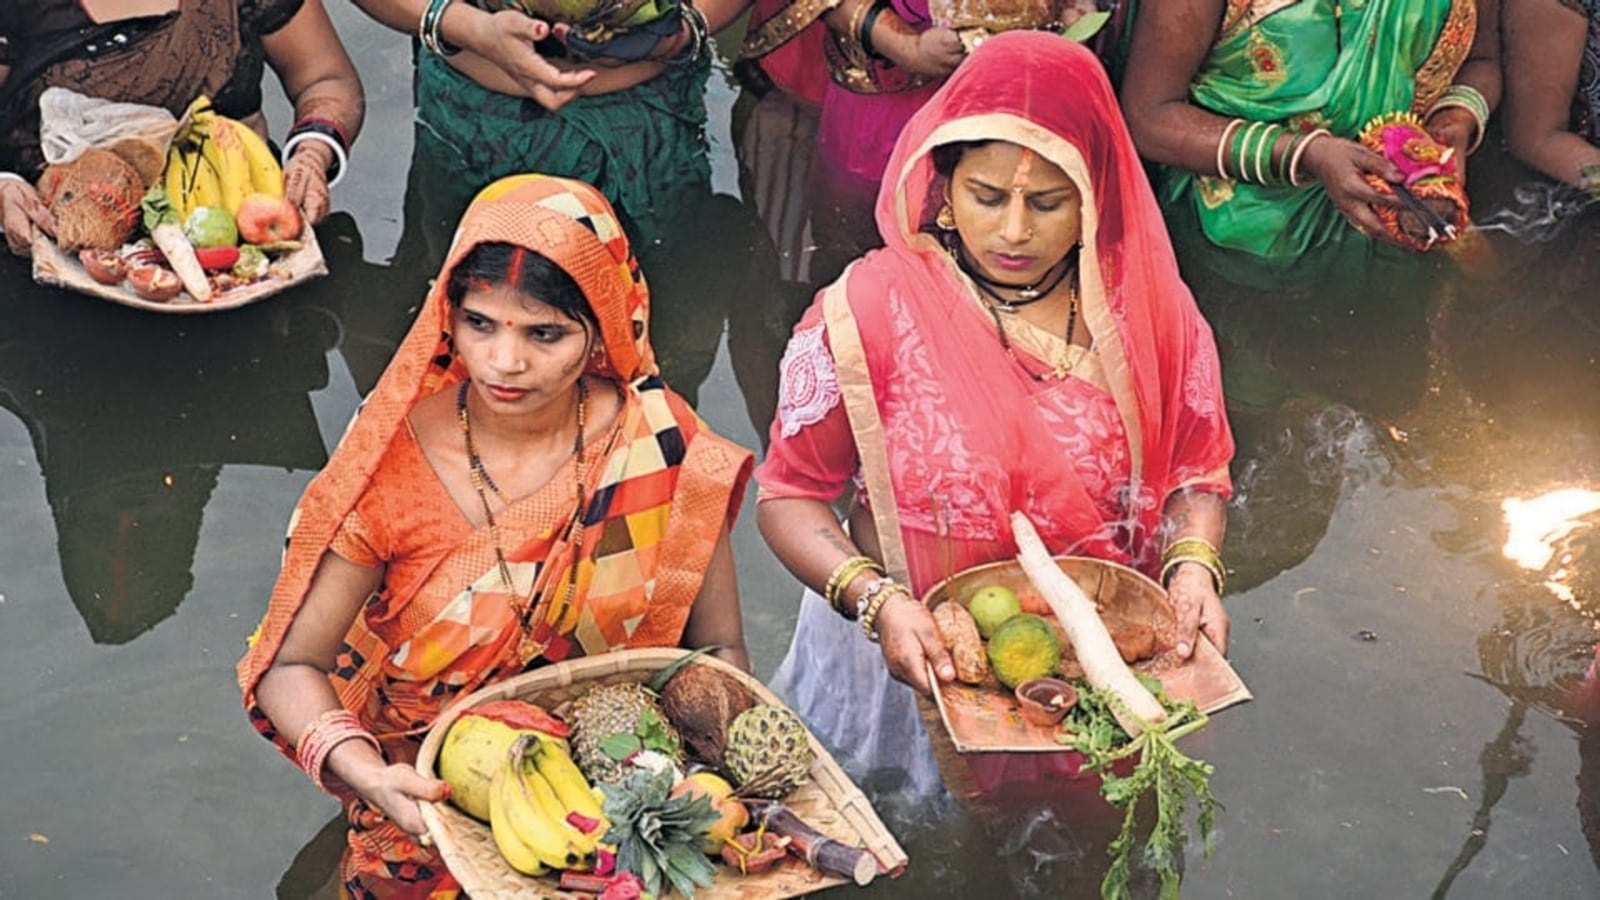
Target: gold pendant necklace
(528, 647)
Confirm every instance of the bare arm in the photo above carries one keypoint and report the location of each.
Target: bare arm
(1204, 515)
(934, 52)
(1544, 49)
(807, 538)
(321, 82)
(295, 690)
(715, 618)
(1171, 39)
(1481, 71)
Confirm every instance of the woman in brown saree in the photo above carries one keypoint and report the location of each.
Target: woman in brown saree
(166, 53)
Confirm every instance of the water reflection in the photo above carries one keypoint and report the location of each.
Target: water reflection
(132, 416)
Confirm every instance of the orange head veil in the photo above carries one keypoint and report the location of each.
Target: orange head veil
(567, 221)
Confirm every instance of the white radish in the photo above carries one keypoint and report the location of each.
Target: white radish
(175, 246)
(1097, 653)
(161, 220)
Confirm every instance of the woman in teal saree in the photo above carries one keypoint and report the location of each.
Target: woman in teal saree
(1253, 109)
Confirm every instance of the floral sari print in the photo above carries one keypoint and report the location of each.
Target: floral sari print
(899, 364)
(661, 487)
(897, 378)
(1312, 64)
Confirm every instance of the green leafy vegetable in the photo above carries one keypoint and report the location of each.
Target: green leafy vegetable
(649, 734)
(1091, 729)
(658, 836)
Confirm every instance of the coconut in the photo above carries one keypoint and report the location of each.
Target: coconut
(95, 200)
(702, 702)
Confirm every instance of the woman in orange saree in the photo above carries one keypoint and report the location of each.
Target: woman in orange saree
(519, 488)
(1022, 342)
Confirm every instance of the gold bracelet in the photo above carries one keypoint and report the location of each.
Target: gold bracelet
(852, 33)
(843, 574)
(1196, 550)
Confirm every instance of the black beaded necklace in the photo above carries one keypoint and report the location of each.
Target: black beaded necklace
(1026, 293)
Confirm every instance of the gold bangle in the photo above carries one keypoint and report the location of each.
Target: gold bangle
(852, 32)
(843, 574)
(1196, 550)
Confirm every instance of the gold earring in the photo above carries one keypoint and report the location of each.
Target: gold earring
(946, 219)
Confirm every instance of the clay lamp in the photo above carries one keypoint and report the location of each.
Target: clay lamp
(1045, 701)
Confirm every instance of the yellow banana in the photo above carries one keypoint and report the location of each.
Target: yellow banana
(536, 824)
(507, 836)
(176, 181)
(544, 796)
(566, 779)
(205, 187)
(266, 176)
(220, 147)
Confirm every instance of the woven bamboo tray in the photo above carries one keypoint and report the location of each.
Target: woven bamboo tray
(830, 801)
(985, 717)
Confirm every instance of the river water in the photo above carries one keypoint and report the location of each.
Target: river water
(1413, 590)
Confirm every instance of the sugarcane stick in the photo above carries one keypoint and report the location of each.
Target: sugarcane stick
(823, 853)
(1097, 653)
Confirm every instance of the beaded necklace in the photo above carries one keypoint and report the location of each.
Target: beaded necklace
(1026, 294)
(1061, 369)
(480, 480)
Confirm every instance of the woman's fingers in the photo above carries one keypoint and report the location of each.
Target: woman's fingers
(305, 184)
(911, 643)
(21, 211)
(402, 790)
(1214, 622)
(548, 85)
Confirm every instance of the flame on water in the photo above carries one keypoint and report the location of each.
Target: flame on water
(1537, 524)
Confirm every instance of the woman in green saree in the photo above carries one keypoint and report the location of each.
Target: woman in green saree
(1253, 108)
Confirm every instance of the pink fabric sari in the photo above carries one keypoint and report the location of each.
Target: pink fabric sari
(897, 376)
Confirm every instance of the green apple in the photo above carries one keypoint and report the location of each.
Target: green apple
(992, 607)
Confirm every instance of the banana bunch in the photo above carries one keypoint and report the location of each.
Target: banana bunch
(542, 812)
(217, 161)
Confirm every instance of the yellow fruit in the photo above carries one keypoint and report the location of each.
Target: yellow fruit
(717, 790)
(221, 148)
(205, 187)
(507, 836)
(474, 750)
(535, 822)
(1024, 647)
(176, 179)
(991, 606)
(266, 176)
(558, 768)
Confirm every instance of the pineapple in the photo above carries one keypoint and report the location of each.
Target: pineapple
(610, 722)
(769, 752)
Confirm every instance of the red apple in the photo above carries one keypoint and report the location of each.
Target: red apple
(154, 283)
(265, 219)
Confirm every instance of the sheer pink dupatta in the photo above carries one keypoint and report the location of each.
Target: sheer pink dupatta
(1155, 350)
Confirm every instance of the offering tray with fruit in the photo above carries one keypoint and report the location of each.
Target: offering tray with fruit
(197, 222)
(824, 824)
(988, 717)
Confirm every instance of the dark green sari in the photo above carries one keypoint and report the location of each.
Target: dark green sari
(643, 147)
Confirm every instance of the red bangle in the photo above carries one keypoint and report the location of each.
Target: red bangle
(324, 125)
(326, 732)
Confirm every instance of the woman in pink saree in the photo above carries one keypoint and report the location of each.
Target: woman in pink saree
(1023, 342)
